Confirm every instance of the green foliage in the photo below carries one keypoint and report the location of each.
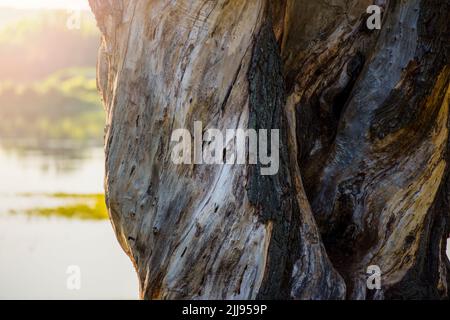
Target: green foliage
(47, 80)
(65, 105)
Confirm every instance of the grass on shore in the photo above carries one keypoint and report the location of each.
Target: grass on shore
(79, 206)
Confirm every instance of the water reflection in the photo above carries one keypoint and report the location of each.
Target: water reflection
(63, 156)
(50, 169)
(37, 249)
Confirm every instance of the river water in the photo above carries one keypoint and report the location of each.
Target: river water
(37, 253)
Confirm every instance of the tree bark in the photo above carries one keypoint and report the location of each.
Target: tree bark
(363, 120)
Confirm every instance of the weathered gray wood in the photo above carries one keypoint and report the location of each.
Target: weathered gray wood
(363, 117)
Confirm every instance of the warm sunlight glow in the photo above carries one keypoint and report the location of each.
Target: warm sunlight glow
(45, 4)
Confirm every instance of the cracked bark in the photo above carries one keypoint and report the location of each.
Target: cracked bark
(363, 119)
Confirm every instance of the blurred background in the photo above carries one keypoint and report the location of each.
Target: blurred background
(52, 212)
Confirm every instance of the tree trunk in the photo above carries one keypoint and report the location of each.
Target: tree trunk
(363, 172)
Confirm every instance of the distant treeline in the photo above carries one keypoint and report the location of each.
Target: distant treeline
(47, 79)
(35, 46)
(63, 106)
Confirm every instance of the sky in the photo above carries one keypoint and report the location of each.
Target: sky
(45, 4)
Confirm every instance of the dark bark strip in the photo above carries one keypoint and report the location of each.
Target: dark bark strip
(273, 195)
(295, 256)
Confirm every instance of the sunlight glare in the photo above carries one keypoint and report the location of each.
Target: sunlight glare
(46, 4)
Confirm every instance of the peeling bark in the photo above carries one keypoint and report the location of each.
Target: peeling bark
(363, 120)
